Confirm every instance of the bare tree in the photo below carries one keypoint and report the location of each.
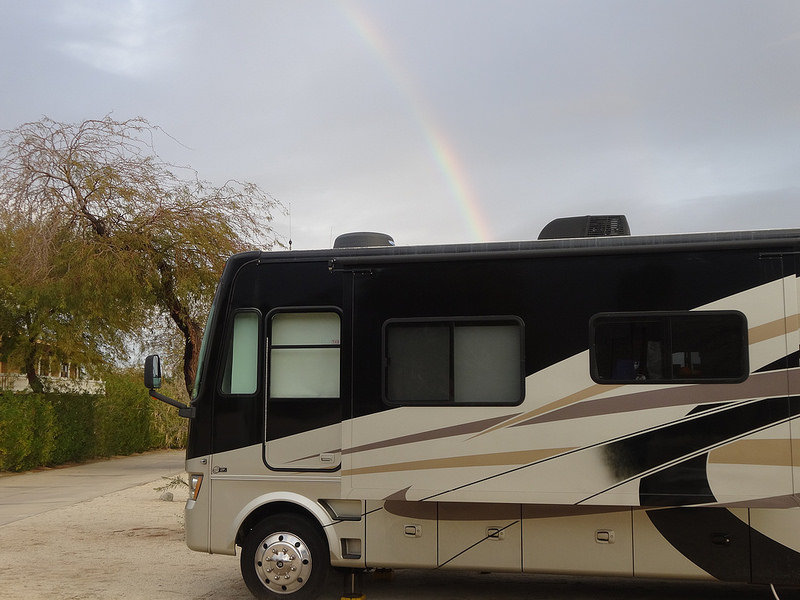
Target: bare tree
(114, 231)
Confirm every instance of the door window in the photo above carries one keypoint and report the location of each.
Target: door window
(305, 355)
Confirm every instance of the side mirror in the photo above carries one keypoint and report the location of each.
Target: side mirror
(152, 372)
(152, 381)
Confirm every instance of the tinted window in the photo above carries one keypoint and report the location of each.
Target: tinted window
(454, 361)
(703, 346)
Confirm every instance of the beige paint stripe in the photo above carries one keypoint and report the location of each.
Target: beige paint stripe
(433, 434)
(792, 323)
(777, 453)
(796, 453)
(583, 394)
(506, 459)
(773, 329)
(758, 385)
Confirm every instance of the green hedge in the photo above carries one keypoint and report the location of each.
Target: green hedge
(51, 429)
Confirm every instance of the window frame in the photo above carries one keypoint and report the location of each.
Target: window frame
(452, 323)
(664, 320)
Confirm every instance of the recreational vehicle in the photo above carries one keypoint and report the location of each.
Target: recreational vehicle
(590, 402)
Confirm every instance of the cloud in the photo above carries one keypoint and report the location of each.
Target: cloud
(756, 209)
(680, 114)
(127, 37)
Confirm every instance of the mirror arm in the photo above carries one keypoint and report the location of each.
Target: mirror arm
(183, 410)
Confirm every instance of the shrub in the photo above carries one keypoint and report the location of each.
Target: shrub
(26, 431)
(50, 428)
(123, 417)
(72, 428)
(129, 420)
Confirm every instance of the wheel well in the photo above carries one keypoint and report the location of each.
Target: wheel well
(269, 509)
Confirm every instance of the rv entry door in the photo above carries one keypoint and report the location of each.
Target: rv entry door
(303, 430)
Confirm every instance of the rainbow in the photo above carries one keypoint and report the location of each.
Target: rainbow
(440, 147)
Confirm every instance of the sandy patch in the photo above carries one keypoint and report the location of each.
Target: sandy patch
(128, 544)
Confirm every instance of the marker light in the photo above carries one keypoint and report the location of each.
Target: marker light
(195, 481)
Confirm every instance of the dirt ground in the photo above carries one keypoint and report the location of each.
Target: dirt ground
(129, 544)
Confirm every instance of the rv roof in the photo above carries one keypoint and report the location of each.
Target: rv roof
(785, 239)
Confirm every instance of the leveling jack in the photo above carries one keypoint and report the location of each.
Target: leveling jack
(353, 579)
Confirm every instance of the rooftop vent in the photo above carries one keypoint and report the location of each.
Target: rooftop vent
(363, 239)
(587, 226)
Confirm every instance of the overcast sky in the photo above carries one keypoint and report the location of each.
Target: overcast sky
(440, 121)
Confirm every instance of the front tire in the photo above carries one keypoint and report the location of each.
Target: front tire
(285, 556)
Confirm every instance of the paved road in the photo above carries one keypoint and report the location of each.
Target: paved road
(33, 493)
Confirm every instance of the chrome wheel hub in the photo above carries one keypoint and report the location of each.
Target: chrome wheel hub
(283, 563)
